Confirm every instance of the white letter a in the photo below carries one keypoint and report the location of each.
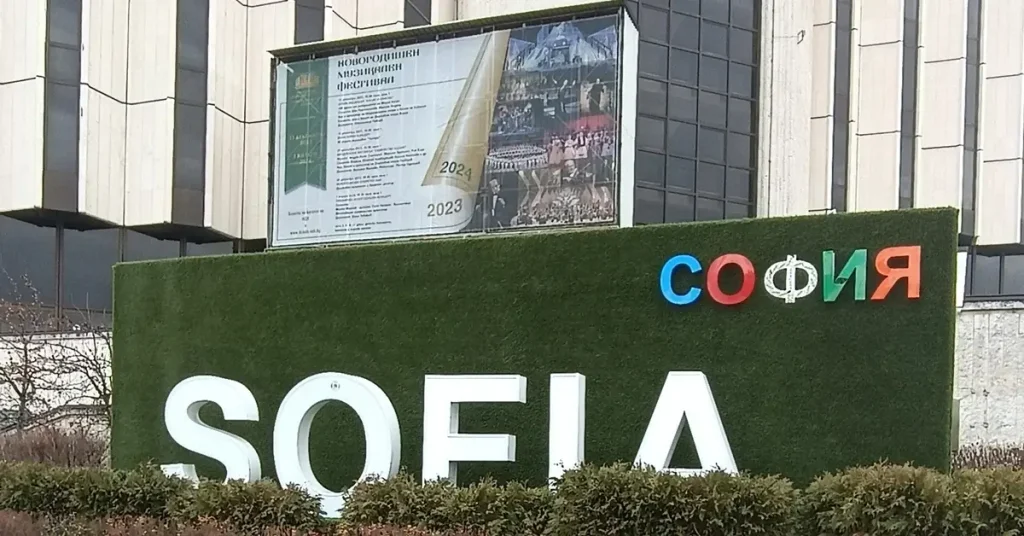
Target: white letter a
(686, 398)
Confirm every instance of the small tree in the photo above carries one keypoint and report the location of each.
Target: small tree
(84, 354)
(30, 374)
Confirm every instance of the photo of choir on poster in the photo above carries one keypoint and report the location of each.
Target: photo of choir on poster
(552, 158)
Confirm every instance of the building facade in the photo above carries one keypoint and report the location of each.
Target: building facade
(134, 130)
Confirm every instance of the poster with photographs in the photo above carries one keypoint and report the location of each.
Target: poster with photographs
(553, 144)
(502, 130)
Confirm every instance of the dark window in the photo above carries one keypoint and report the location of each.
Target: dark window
(189, 146)
(194, 249)
(654, 24)
(650, 206)
(985, 275)
(190, 91)
(679, 207)
(652, 97)
(968, 211)
(650, 133)
(909, 103)
(62, 116)
(61, 103)
(1013, 275)
(682, 138)
(697, 103)
(650, 168)
(653, 59)
(86, 266)
(140, 247)
(28, 254)
(841, 112)
(309, 20)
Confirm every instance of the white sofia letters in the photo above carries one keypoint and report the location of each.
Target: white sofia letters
(685, 397)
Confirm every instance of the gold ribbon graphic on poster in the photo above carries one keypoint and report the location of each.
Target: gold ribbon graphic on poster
(462, 150)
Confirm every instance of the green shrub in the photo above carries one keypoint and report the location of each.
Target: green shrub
(90, 492)
(623, 500)
(249, 508)
(879, 500)
(988, 502)
(439, 506)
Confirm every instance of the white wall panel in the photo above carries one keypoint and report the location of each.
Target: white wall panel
(340, 21)
(823, 65)
(475, 9)
(102, 157)
(784, 109)
(940, 169)
(149, 162)
(878, 168)
(22, 39)
(105, 46)
(1002, 118)
(878, 99)
(999, 202)
(943, 30)
(254, 195)
(151, 50)
(21, 145)
(380, 16)
(1003, 35)
(227, 57)
(270, 26)
(940, 103)
(820, 185)
(224, 181)
(881, 21)
(442, 11)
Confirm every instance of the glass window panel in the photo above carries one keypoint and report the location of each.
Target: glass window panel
(682, 138)
(744, 13)
(685, 31)
(63, 64)
(741, 113)
(740, 150)
(190, 87)
(736, 210)
(140, 247)
(985, 275)
(194, 249)
(714, 73)
(652, 96)
(650, 133)
(737, 185)
(309, 21)
(62, 115)
(714, 38)
(87, 263)
(679, 207)
(741, 45)
(710, 179)
(715, 10)
(741, 79)
(193, 34)
(64, 18)
(682, 173)
(686, 6)
(711, 145)
(650, 206)
(710, 209)
(653, 24)
(27, 252)
(1013, 275)
(682, 103)
(650, 168)
(713, 109)
(653, 59)
(684, 67)
(657, 3)
(189, 146)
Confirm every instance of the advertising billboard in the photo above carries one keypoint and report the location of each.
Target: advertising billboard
(505, 129)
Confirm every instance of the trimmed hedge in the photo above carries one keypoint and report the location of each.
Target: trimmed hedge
(801, 388)
(880, 500)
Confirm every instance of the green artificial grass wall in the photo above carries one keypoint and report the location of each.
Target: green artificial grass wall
(801, 388)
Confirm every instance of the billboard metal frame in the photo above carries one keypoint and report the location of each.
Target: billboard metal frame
(423, 34)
